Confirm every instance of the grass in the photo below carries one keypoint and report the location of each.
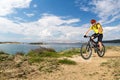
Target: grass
(49, 65)
(115, 65)
(35, 60)
(70, 52)
(38, 55)
(3, 56)
(115, 48)
(1, 53)
(67, 61)
(43, 52)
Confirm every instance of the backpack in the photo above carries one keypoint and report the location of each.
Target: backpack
(101, 29)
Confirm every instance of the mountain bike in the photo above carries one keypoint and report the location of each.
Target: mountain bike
(86, 49)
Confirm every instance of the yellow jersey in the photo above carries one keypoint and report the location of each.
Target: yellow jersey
(95, 28)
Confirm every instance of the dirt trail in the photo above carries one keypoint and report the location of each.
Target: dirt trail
(85, 69)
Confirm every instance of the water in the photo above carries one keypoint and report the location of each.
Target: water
(63, 46)
(14, 48)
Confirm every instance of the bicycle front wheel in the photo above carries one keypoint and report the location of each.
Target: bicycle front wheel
(86, 51)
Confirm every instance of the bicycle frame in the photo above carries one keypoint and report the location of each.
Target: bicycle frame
(93, 44)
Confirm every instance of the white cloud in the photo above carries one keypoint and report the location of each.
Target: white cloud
(107, 10)
(8, 6)
(52, 20)
(48, 27)
(112, 32)
(52, 28)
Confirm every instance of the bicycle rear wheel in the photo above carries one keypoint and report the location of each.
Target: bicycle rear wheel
(102, 52)
(86, 51)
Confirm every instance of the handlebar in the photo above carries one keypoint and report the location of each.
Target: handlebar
(87, 37)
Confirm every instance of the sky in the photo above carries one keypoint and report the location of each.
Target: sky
(57, 20)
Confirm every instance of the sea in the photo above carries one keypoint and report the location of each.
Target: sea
(25, 48)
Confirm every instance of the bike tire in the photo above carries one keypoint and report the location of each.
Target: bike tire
(85, 50)
(101, 53)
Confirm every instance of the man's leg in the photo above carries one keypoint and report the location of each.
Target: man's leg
(94, 36)
(100, 41)
(100, 45)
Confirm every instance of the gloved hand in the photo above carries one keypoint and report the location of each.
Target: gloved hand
(85, 36)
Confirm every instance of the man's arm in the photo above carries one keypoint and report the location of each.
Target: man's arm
(87, 31)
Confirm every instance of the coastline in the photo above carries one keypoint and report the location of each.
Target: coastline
(68, 65)
(13, 48)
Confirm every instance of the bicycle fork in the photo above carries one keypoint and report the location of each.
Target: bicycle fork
(95, 49)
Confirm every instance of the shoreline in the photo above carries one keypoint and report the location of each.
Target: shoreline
(25, 47)
(45, 64)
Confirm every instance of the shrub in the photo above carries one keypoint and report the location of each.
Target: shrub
(35, 60)
(41, 49)
(43, 52)
(3, 56)
(1, 52)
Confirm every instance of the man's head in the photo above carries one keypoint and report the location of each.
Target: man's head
(93, 21)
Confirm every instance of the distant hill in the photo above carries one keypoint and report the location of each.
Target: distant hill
(37, 43)
(10, 42)
(112, 41)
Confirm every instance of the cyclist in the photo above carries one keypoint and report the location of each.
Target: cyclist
(98, 32)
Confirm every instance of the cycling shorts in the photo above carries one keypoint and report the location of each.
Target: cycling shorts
(99, 36)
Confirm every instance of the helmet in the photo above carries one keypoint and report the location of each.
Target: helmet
(93, 21)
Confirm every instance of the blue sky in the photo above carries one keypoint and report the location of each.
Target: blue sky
(57, 20)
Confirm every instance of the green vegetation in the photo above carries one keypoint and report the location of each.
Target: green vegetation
(47, 60)
(49, 65)
(38, 55)
(3, 56)
(35, 59)
(1, 52)
(67, 61)
(70, 52)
